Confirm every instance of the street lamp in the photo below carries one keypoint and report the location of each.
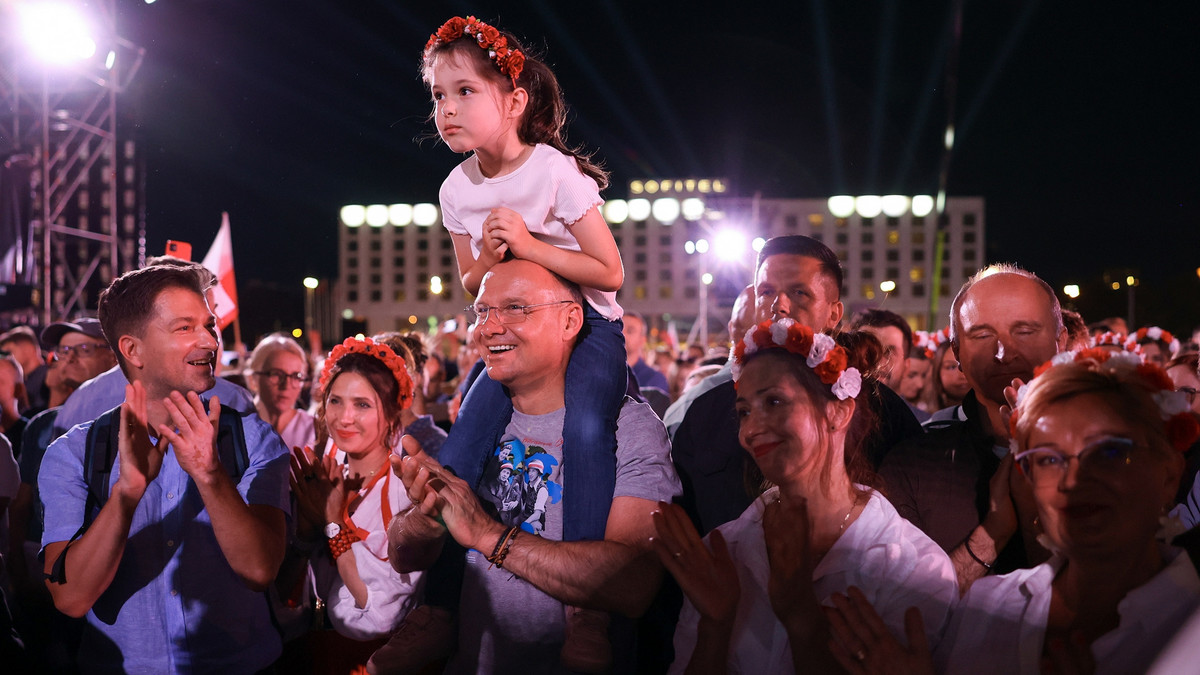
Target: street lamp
(310, 288)
(1071, 291)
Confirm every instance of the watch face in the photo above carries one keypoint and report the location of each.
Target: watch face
(332, 530)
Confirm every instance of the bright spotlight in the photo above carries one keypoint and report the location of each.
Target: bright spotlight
(729, 245)
(1071, 290)
(758, 243)
(689, 247)
(894, 206)
(887, 286)
(922, 205)
(435, 285)
(347, 314)
(868, 206)
(1131, 281)
(311, 282)
(693, 208)
(701, 246)
(841, 206)
(377, 215)
(425, 214)
(354, 215)
(400, 214)
(110, 60)
(639, 209)
(616, 211)
(56, 32)
(706, 278)
(296, 332)
(666, 210)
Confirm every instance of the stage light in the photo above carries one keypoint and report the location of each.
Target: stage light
(354, 215)
(689, 247)
(729, 245)
(311, 283)
(616, 211)
(758, 243)
(377, 215)
(894, 206)
(693, 208)
(425, 214)
(701, 246)
(666, 210)
(56, 32)
(887, 286)
(868, 206)
(639, 209)
(1071, 291)
(922, 205)
(400, 214)
(841, 206)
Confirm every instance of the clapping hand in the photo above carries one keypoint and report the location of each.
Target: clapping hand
(707, 577)
(311, 487)
(863, 644)
(140, 460)
(195, 434)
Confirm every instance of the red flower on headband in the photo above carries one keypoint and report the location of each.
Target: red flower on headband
(486, 35)
(1157, 377)
(452, 29)
(514, 63)
(831, 368)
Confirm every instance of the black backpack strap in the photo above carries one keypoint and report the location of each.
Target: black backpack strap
(99, 453)
(231, 443)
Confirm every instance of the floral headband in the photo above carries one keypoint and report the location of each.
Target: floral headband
(821, 353)
(509, 61)
(380, 351)
(1182, 429)
(1155, 333)
(926, 341)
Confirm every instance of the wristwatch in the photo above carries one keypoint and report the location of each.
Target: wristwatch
(332, 530)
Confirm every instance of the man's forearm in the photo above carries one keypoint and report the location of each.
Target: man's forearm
(252, 539)
(92, 560)
(973, 563)
(606, 575)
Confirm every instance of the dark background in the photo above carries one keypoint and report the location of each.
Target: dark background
(1076, 121)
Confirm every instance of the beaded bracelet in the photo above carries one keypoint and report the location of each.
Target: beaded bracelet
(501, 551)
(341, 543)
(975, 557)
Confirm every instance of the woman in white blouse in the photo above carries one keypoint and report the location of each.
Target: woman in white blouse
(1100, 436)
(754, 594)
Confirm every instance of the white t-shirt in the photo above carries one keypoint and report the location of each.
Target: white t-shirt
(1000, 625)
(885, 556)
(549, 192)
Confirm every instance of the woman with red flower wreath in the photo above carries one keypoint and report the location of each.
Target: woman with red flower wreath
(755, 591)
(1100, 436)
(345, 498)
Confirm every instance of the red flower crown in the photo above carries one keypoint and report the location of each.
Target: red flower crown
(1155, 333)
(821, 353)
(1181, 427)
(380, 351)
(509, 61)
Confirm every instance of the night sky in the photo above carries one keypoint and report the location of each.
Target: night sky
(1077, 122)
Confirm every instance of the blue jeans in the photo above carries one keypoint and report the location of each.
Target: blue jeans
(596, 383)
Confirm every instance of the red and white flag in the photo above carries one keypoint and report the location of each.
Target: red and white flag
(219, 261)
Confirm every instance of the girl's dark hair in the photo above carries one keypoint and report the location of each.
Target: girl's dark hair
(381, 379)
(545, 117)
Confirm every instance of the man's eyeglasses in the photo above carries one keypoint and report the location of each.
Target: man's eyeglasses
(278, 376)
(1047, 466)
(82, 350)
(508, 313)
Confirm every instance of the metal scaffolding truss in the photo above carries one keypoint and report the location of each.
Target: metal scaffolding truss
(64, 119)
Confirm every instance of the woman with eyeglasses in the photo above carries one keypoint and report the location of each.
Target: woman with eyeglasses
(1099, 436)
(278, 369)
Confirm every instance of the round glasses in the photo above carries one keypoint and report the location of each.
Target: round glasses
(278, 376)
(1047, 466)
(506, 314)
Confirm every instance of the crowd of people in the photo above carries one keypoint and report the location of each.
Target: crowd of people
(556, 493)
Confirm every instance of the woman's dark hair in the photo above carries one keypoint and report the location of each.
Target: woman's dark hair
(545, 117)
(381, 379)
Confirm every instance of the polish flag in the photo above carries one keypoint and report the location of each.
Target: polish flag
(219, 261)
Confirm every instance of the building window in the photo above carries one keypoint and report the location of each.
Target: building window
(968, 237)
(375, 263)
(841, 222)
(893, 255)
(916, 273)
(868, 238)
(664, 275)
(868, 273)
(841, 238)
(893, 238)
(868, 255)
(447, 261)
(945, 290)
(918, 236)
(918, 290)
(423, 261)
(639, 258)
(352, 296)
(664, 258)
(893, 272)
(968, 220)
(664, 292)
(639, 275)
(791, 221)
(422, 294)
(423, 245)
(639, 292)
(447, 244)
(398, 279)
(918, 255)
(376, 296)
(868, 291)
(664, 240)
(422, 279)
(868, 222)
(816, 219)
(398, 262)
(352, 279)
(640, 241)
(352, 263)
(375, 246)
(352, 245)
(399, 296)
(918, 221)
(639, 225)
(969, 272)
(376, 279)
(398, 244)
(893, 221)
(689, 293)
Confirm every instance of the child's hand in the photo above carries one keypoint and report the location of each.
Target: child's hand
(507, 226)
(491, 249)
